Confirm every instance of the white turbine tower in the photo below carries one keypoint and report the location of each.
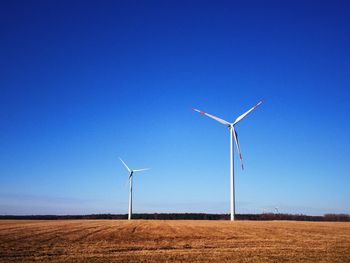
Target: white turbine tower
(233, 134)
(131, 172)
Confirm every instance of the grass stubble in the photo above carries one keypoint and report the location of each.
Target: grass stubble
(173, 241)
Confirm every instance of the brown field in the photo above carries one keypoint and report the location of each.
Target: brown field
(173, 241)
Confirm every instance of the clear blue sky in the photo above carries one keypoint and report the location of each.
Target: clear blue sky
(83, 82)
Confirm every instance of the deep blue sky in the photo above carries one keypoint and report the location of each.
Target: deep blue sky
(83, 82)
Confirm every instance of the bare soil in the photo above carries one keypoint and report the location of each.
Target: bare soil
(173, 241)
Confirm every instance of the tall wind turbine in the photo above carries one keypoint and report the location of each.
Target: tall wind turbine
(233, 134)
(131, 172)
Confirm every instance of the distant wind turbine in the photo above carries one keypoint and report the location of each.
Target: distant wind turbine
(233, 134)
(131, 172)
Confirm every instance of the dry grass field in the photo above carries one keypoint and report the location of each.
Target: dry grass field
(173, 241)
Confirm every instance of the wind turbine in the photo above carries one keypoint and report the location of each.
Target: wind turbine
(131, 172)
(233, 134)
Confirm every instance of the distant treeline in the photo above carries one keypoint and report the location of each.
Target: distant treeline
(188, 216)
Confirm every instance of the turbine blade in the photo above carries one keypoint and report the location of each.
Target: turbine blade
(213, 117)
(238, 148)
(129, 170)
(247, 112)
(139, 170)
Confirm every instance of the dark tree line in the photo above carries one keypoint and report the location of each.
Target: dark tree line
(188, 216)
